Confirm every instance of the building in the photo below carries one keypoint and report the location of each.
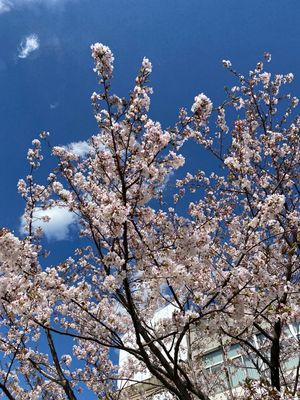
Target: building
(223, 366)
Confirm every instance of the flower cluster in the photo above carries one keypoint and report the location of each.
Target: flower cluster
(202, 107)
(103, 60)
(150, 278)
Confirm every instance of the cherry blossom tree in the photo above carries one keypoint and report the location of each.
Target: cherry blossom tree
(225, 265)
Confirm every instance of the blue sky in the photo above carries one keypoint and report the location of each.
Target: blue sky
(49, 87)
(46, 76)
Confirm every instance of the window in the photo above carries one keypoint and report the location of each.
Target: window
(237, 368)
(214, 364)
(240, 366)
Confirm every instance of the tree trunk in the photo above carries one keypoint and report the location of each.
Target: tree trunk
(275, 356)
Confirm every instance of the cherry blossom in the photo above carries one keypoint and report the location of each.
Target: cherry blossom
(168, 284)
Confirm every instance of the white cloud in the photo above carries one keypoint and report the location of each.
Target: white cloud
(8, 5)
(59, 226)
(28, 45)
(5, 6)
(80, 149)
(166, 181)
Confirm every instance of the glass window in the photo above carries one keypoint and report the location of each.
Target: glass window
(234, 351)
(214, 365)
(251, 363)
(215, 357)
(291, 363)
(296, 326)
(237, 371)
